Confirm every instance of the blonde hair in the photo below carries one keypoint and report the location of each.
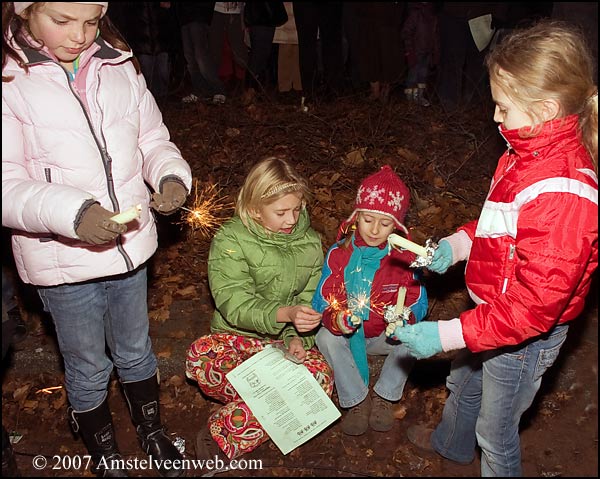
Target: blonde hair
(267, 181)
(14, 22)
(549, 60)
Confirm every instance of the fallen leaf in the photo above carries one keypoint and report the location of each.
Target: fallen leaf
(176, 380)
(438, 182)
(180, 334)
(409, 155)
(21, 392)
(164, 354)
(355, 157)
(163, 315)
(30, 404)
(60, 401)
(432, 210)
(173, 279)
(190, 290)
(400, 411)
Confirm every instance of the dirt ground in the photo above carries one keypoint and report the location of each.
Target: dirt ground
(447, 161)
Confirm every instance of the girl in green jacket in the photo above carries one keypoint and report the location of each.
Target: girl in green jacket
(263, 268)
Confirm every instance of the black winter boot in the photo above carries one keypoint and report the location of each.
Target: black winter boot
(142, 397)
(96, 429)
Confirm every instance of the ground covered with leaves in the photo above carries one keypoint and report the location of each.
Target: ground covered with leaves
(446, 160)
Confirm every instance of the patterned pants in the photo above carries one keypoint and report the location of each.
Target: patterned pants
(233, 426)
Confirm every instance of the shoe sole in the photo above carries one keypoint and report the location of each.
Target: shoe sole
(379, 428)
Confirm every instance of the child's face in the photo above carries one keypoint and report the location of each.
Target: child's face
(282, 215)
(374, 228)
(507, 113)
(65, 28)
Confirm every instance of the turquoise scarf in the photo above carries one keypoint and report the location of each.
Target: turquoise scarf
(358, 276)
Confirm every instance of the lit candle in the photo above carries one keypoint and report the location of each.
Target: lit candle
(401, 242)
(127, 215)
(400, 300)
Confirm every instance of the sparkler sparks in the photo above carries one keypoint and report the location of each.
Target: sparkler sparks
(355, 303)
(206, 213)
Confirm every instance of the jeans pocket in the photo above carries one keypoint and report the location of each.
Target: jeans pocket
(546, 359)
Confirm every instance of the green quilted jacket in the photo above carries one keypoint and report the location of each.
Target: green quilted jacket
(252, 274)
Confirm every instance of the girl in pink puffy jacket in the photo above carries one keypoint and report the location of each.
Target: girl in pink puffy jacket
(82, 138)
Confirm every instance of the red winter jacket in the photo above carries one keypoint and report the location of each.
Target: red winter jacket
(393, 272)
(535, 245)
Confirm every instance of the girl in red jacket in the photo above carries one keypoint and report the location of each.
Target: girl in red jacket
(530, 256)
(361, 276)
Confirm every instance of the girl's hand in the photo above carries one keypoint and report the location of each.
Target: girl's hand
(442, 258)
(303, 318)
(296, 349)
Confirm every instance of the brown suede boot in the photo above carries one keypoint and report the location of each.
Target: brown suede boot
(420, 436)
(356, 420)
(382, 415)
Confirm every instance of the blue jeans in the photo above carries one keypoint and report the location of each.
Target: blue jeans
(90, 316)
(350, 387)
(204, 73)
(489, 392)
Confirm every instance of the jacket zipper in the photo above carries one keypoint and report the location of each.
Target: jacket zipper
(511, 255)
(107, 163)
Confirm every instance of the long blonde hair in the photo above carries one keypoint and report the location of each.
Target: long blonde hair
(267, 181)
(10, 20)
(549, 60)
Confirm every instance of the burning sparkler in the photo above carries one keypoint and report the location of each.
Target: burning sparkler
(355, 303)
(206, 212)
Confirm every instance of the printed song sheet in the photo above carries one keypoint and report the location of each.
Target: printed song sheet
(285, 398)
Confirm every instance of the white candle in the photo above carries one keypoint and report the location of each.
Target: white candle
(400, 300)
(127, 215)
(402, 242)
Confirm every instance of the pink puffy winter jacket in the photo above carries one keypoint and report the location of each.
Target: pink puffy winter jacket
(101, 137)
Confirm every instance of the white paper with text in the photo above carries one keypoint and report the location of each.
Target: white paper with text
(284, 397)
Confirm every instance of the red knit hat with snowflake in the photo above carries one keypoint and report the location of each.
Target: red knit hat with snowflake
(384, 193)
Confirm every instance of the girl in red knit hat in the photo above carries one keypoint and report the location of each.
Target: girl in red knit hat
(361, 276)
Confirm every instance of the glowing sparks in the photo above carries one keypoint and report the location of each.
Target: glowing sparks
(355, 303)
(334, 304)
(206, 213)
